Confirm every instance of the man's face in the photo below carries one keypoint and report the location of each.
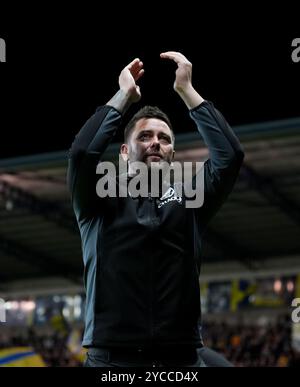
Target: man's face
(149, 141)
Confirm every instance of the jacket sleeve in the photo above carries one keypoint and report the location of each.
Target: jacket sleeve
(225, 158)
(84, 155)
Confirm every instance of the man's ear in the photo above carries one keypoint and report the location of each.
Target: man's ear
(124, 152)
(172, 158)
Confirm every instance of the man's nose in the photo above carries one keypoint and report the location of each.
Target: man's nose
(155, 143)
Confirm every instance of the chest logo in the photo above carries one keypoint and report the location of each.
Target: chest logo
(169, 196)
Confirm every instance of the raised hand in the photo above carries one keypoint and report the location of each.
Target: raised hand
(128, 78)
(183, 80)
(129, 91)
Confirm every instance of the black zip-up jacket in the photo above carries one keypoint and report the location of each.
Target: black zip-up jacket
(142, 260)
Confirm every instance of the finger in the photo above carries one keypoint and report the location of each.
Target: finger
(170, 56)
(133, 63)
(136, 69)
(138, 65)
(139, 75)
(176, 56)
(173, 53)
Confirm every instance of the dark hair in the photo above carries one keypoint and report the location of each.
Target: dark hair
(147, 112)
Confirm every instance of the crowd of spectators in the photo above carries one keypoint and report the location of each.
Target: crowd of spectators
(243, 345)
(253, 346)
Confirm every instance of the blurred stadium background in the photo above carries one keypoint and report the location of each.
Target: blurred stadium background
(250, 271)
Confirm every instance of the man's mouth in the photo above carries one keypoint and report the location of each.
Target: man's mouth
(154, 156)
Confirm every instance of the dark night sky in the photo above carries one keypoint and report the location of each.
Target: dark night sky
(60, 67)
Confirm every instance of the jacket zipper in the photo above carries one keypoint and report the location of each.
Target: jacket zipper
(152, 215)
